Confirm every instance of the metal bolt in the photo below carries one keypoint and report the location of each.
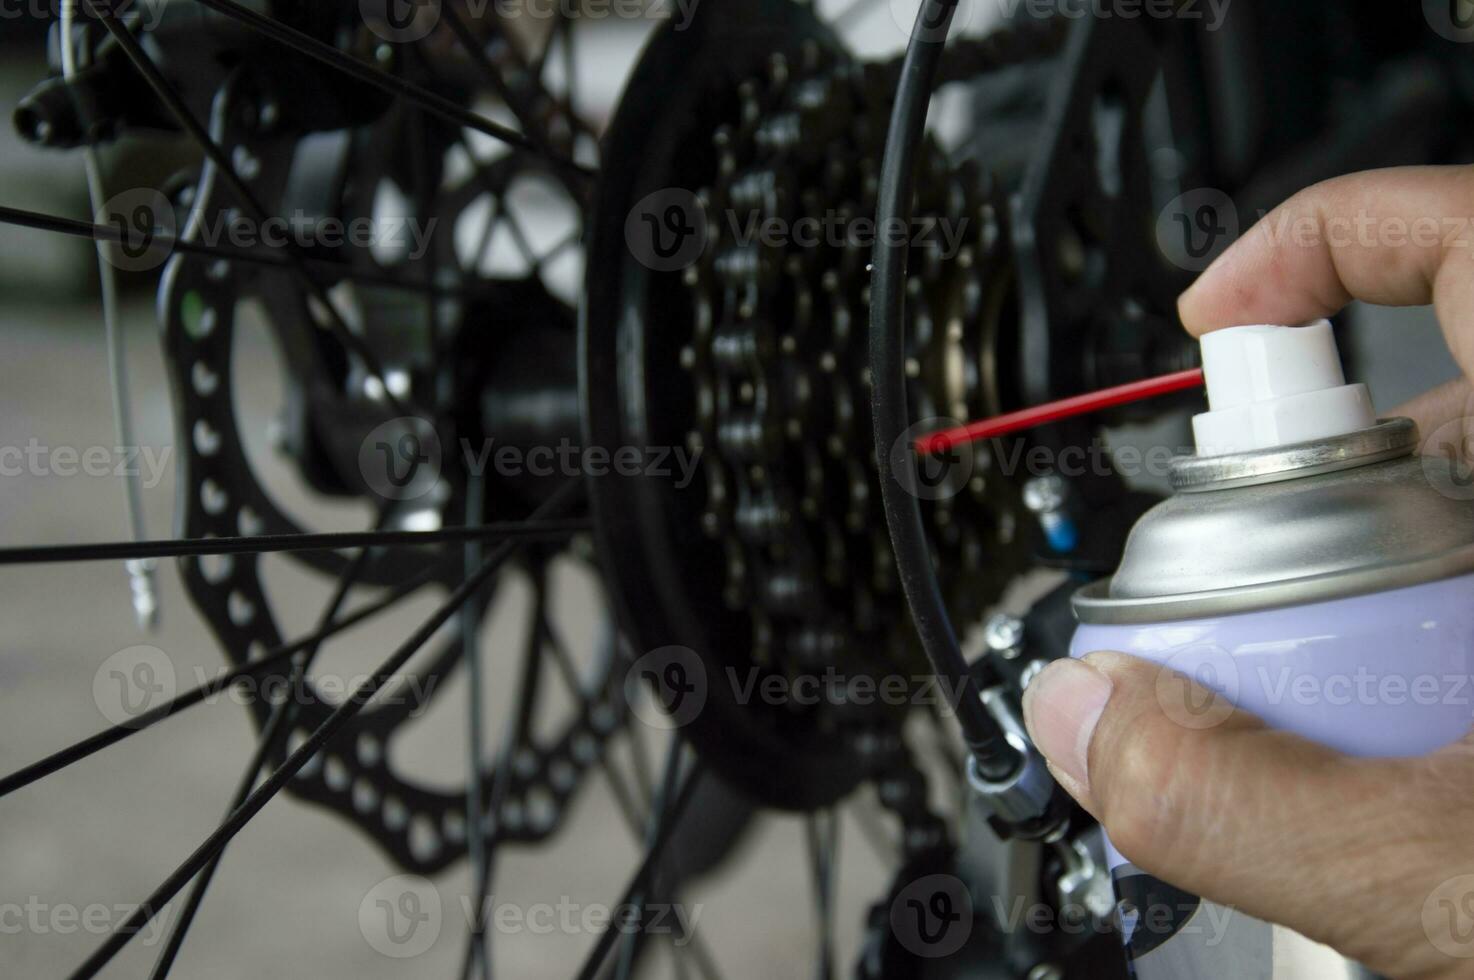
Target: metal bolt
(1033, 670)
(141, 577)
(1003, 634)
(1046, 971)
(1044, 494)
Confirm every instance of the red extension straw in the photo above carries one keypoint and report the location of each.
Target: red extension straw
(1028, 418)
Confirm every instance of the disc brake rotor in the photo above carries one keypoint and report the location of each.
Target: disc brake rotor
(334, 403)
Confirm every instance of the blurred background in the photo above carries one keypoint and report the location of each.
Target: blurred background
(104, 832)
(288, 896)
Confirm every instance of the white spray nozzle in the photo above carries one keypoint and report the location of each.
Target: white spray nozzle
(1273, 386)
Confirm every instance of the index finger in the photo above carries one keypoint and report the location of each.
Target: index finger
(1399, 237)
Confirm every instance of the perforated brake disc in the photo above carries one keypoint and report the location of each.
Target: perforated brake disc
(334, 403)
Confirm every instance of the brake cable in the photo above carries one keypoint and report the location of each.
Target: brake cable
(1004, 767)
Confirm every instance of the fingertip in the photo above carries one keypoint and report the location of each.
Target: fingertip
(1189, 309)
(1207, 304)
(1061, 708)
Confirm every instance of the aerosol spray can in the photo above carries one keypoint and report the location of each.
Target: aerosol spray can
(1311, 568)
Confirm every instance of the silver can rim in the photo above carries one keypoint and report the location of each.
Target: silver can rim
(1093, 603)
(1389, 439)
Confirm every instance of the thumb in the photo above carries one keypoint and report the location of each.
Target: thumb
(1346, 851)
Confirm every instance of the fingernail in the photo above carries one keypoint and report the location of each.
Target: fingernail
(1061, 708)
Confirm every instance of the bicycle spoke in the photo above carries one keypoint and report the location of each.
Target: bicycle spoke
(471, 652)
(528, 530)
(283, 714)
(331, 726)
(524, 112)
(498, 212)
(561, 33)
(640, 759)
(488, 230)
(436, 105)
(425, 182)
(696, 949)
(163, 239)
(275, 725)
(567, 669)
(668, 785)
(527, 694)
(669, 819)
(560, 21)
(567, 241)
(629, 809)
(517, 727)
(822, 839)
(270, 659)
(519, 238)
(623, 796)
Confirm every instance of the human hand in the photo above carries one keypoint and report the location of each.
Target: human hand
(1372, 857)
